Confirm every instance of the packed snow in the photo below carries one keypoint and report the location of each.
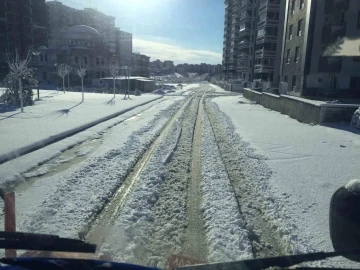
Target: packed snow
(64, 203)
(228, 238)
(307, 164)
(55, 116)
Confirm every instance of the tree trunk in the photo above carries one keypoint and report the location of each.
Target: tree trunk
(68, 80)
(82, 88)
(21, 96)
(114, 86)
(128, 91)
(63, 84)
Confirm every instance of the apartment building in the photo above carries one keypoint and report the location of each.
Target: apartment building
(252, 39)
(140, 65)
(23, 25)
(317, 59)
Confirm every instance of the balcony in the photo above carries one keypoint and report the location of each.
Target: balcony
(336, 6)
(260, 68)
(246, 4)
(330, 64)
(332, 32)
(244, 44)
(246, 16)
(273, 5)
(264, 53)
(265, 20)
(243, 56)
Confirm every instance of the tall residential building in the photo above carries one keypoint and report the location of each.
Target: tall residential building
(321, 48)
(252, 39)
(140, 65)
(22, 26)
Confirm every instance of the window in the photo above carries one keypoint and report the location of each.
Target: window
(102, 61)
(288, 56)
(297, 51)
(98, 74)
(76, 59)
(293, 84)
(355, 83)
(290, 32)
(97, 61)
(102, 74)
(302, 4)
(85, 60)
(44, 75)
(299, 31)
(292, 7)
(286, 78)
(41, 58)
(46, 57)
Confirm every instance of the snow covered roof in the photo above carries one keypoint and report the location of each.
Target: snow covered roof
(80, 31)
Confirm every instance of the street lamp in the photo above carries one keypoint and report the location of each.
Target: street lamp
(37, 52)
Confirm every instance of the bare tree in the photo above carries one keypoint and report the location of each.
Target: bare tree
(128, 70)
(62, 72)
(114, 71)
(68, 71)
(19, 69)
(81, 72)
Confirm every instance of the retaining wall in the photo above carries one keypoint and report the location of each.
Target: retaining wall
(304, 110)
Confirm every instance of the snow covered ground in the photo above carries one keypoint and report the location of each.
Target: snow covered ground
(306, 164)
(64, 203)
(57, 114)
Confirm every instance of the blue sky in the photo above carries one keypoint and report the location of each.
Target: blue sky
(180, 30)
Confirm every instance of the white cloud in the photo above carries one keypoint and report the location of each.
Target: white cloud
(178, 54)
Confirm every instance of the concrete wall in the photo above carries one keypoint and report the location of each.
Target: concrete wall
(305, 111)
(253, 95)
(337, 112)
(270, 101)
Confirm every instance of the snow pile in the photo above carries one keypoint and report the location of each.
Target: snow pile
(353, 185)
(158, 92)
(355, 121)
(225, 228)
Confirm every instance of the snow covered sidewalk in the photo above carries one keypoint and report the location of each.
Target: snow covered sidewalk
(307, 164)
(56, 116)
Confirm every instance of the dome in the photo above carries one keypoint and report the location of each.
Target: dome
(80, 32)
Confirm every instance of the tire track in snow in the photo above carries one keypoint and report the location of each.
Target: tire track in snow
(107, 223)
(249, 178)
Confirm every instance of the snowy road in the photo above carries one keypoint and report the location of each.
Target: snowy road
(189, 175)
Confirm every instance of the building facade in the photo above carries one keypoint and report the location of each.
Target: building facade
(61, 17)
(323, 56)
(252, 40)
(23, 26)
(140, 65)
(124, 47)
(78, 46)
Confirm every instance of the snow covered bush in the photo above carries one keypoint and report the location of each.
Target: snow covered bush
(11, 94)
(355, 121)
(137, 92)
(19, 81)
